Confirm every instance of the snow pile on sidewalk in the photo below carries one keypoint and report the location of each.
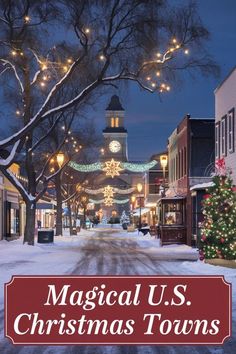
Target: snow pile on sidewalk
(55, 258)
(152, 245)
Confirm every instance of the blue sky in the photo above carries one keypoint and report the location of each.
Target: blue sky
(150, 121)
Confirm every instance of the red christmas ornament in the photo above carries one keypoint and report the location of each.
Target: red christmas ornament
(222, 240)
(206, 196)
(203, 237)
(220, 164)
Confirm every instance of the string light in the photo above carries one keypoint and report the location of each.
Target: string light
(148, 78)
(153, 84)
(87, 30)
(186, 51)
(44, 67)
(13, 53)
(69, 61)
(27, 19)
(42, 84)
(174, 40)
(65, 68)
(17, 112)
(102, 57)
(158, 73)
(158, 55)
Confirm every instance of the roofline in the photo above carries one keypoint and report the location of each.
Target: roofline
(227, 76)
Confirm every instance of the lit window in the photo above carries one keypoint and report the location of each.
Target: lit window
(112, 122)
(231, 130)
(117, 122)
(217, 140)
(224, 136)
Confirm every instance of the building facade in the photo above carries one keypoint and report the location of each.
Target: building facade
(191, 158)
(225, 127)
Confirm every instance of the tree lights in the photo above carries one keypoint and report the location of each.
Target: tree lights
(218, 234)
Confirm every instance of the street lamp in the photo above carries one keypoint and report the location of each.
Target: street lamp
(60, 159)
(164, 161)
(84, 201)
(139, 189)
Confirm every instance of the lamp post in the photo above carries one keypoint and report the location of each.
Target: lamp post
(139, 189)
(84, 202)
(133, 199)
(164, 161)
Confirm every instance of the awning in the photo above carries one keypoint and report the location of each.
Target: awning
(202, 186)
(45, 206)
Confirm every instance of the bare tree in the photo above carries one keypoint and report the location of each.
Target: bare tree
(142, 41)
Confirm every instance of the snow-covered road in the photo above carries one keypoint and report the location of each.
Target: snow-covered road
(114, 253)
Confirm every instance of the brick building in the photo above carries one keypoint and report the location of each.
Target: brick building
(191, 155)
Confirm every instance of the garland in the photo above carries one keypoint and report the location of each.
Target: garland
(115, 190)
(115, 201)
(96, 166)
(138, 167)
(85, 168)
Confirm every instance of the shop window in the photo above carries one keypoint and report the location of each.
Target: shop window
(217, 140)
(224, 136)
(12, 219)
(231, 130)
(173, 214)
(185, 161)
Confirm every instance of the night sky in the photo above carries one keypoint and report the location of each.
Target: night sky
(150, 121)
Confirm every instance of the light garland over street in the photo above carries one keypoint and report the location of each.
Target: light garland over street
(113, 167)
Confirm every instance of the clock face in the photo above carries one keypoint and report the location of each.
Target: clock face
(114, 146)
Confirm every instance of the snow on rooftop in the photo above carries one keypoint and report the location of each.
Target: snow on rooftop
(202, 186)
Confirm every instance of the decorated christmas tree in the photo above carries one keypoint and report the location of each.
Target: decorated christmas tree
(124, 219)
(218, 234)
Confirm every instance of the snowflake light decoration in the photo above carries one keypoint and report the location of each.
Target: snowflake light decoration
(108, 201)
(108, 192)
(112, 168)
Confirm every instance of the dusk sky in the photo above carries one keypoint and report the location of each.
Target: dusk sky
(150, 121)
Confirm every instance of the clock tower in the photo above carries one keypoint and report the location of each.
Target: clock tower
(115, 135)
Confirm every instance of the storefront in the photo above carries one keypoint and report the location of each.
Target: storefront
(12, 213)
(172, 220)
(45, 214)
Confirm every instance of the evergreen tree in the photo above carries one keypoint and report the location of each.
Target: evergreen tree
(124, 219)
(218, 234)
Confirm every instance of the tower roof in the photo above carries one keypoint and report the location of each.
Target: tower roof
(114, 104)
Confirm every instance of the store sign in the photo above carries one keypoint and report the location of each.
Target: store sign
(109, 310)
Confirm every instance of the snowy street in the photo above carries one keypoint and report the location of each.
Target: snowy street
(111, 252)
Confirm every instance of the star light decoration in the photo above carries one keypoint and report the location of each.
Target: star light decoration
(112, 168)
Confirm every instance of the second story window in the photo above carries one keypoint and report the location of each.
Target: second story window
(224, 136)
(231, 130)
(217, 140)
